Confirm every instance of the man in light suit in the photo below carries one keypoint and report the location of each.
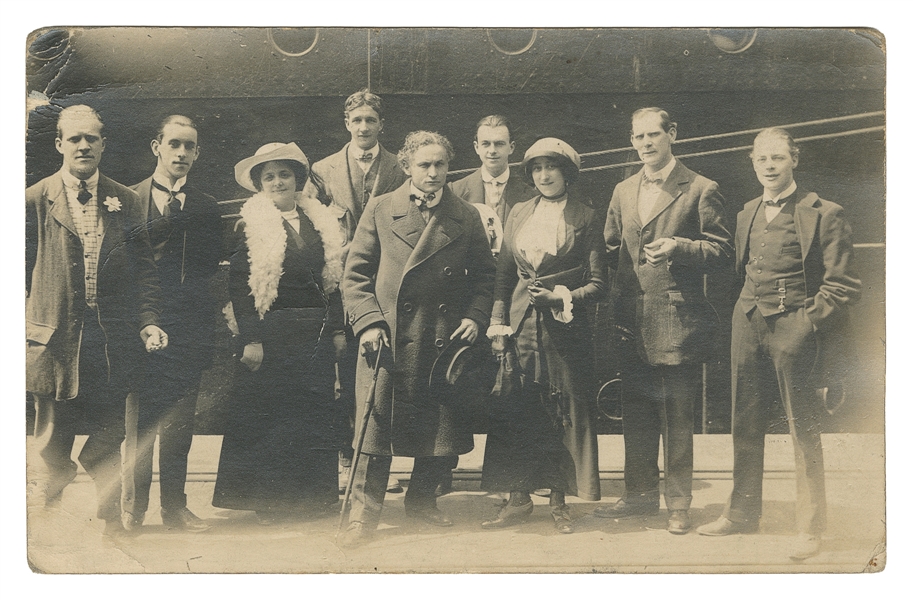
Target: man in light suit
(492, 183)
(419, 275)
(360, 171)
(185, 230)
(92, 303)
(665, 230)
(795, 253)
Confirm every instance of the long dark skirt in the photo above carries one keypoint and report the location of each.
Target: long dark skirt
(281, 442)
(529, 446)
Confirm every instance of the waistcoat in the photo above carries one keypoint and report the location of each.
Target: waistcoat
(774, 280)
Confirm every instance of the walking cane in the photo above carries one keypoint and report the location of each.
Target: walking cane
(360, 440)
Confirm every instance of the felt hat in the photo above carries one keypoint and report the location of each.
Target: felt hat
(266, 153)
(554, 148)
(455, 359)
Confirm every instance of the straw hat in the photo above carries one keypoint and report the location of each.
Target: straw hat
(266, 153)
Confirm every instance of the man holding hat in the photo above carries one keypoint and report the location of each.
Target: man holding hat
(419, 275)
(665, 230)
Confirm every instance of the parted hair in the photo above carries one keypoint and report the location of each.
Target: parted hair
(78, 111)
(416, 140)
(365, 98)
(666, 121)
(495, 121)
(174, 120)
(780, 133)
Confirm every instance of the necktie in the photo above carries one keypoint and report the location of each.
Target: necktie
(366, 157)
(174, 202)
(84, 194)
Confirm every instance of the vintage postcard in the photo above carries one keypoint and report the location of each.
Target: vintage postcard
(587, 300)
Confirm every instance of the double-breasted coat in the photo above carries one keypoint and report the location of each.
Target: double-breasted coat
(127, 287)
(665, 306)
(418, 281)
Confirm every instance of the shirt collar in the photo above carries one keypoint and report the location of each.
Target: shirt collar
(417, 192)
(782, 195)
(489, 178)
(162, 181)
(662, 174)
(72, 182)
(356, 152)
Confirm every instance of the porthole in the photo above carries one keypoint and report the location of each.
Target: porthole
(732, 41)
(511, 41)
(289, 41)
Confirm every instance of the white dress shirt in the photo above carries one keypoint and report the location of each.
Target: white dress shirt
(773, 205)
(161, 198)
(356, 153)
(650, 187)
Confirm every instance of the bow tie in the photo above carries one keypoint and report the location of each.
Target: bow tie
(422, 201)
(174, 197)
(773, 202)
(366, 157)
(656, 181)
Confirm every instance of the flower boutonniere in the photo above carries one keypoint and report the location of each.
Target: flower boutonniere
(112, 203)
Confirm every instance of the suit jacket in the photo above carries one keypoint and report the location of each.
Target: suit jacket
(188, 304)
(472, 189)
(831, 281)
(333, 171)
(664, 306)
(127, 288)
(419, 282)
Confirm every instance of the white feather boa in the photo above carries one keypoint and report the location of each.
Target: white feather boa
(266, 238)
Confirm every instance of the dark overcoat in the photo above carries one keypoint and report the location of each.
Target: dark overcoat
(664, 306)
(127, 287)
(419, 282)
(188, 302)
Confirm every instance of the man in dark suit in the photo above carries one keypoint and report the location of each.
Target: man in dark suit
(185, 231)
(419, 274)
(492, 183)
(795, 253)
(665, 230)
(91, 305)
(360, 171)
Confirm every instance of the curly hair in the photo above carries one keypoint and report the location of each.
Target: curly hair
(301, 174)
(416, 140)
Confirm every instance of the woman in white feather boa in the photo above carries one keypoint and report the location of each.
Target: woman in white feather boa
(279, 451)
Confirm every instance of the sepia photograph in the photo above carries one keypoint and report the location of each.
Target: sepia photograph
(449, 300)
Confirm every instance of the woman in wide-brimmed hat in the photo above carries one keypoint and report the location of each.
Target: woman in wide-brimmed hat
(552, 265)
(284, 428)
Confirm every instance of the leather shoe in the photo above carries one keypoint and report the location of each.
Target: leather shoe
(805, 546)
(431, 515)
(133, 522)
(679, 522)
(562, 517)
(355, 535)
(623, 509)
(182, 518)
(509, 515)
(394, 486)
(724, 526)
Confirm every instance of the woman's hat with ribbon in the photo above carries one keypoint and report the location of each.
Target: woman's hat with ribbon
(266, 153)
